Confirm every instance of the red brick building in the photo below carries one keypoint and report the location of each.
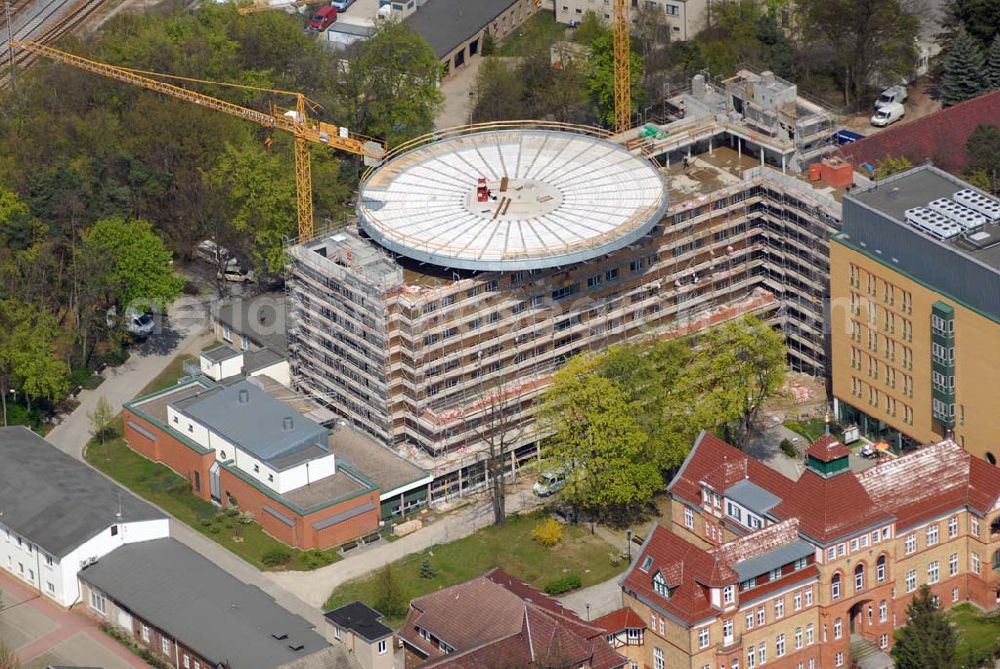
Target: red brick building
(239, 446)
(755, 568)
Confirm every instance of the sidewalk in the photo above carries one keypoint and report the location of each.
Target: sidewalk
(315, 586)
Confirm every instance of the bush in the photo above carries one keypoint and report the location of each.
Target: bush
(315, 558)
(788, 448)
(214, 529)
(232, 513)
(548, 532)
(564, 584)
(205, 522)
(276, 557)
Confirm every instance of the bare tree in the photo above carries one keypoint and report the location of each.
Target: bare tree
(500, 428)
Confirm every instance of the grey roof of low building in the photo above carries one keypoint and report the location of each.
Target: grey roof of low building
(55, 501)
(779, 557)
(447, 23)
(361, 619)
(751, 496)
(258, 425)
(202, 606)
(220, 353)
(259, 359)
(261, 318)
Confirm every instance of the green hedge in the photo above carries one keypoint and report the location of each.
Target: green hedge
(563, 584)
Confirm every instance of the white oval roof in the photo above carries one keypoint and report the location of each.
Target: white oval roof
(554, 198)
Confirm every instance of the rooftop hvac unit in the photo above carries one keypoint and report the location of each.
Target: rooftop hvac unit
(967, 218)
(983, 204)
(932, 223)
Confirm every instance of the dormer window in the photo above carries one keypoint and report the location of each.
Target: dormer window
(728, 594)
(660, 585)
(646, 563)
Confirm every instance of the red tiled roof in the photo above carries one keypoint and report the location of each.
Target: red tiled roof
(827, 448)
(698, 569)
(828, 508)
(708, 455)
(620, 620)
(496, 620)
(939, 137)
(930, 481)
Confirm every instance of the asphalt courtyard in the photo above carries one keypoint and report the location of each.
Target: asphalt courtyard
(41, 633)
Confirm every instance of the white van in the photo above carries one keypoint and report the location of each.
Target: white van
(891, 95)
(139, 324)
(888, 114)
(211, 252)
(549, 483)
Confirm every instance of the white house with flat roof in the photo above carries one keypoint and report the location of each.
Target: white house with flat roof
(57, 515)
(258, 434)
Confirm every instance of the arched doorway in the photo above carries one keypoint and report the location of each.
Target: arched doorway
(859, 617)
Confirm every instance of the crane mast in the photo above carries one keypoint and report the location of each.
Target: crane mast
(622, 66)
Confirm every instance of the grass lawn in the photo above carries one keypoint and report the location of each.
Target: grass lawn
(541, 27)
(812, 429)
(161, 486)
(977, 633)
(168, 376)
(510, 548)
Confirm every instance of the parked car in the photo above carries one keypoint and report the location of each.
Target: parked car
(139, 324)
(211, 252)
(890, 95)
(233, 272)
(888, 114)
(322, 19)
(341, 5)
(549, 483)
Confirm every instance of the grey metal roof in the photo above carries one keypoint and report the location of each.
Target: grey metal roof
(751, 496)
(779, 557)
(258, 425)
(259, 359)
(447, 23)
(202, 606)
(220, 353)
(361, 619)
(53, 499)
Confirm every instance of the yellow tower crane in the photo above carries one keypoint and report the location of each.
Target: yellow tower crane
(294, 121)
(623, 66)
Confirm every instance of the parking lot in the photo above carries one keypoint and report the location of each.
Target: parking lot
(42, 633)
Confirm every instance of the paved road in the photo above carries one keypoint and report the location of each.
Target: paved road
(457, 98)
(315, 586)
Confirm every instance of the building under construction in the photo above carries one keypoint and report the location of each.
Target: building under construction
(483, 259)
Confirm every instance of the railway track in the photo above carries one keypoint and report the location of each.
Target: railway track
(40, 22)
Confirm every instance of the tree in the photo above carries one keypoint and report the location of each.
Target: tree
(890, 165)
(979, 18)
(597, 441)
(500, 428)
(964, 74)
(983, 147)
(738, 366)
(101, 418)
(927, 641)
(868, 38)
(390, 598)
(139, 266)
(393, 84)
(8, 657)
(498, 92)
(993, 64)
(261, 191)
(28, 353)
(600, 78)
